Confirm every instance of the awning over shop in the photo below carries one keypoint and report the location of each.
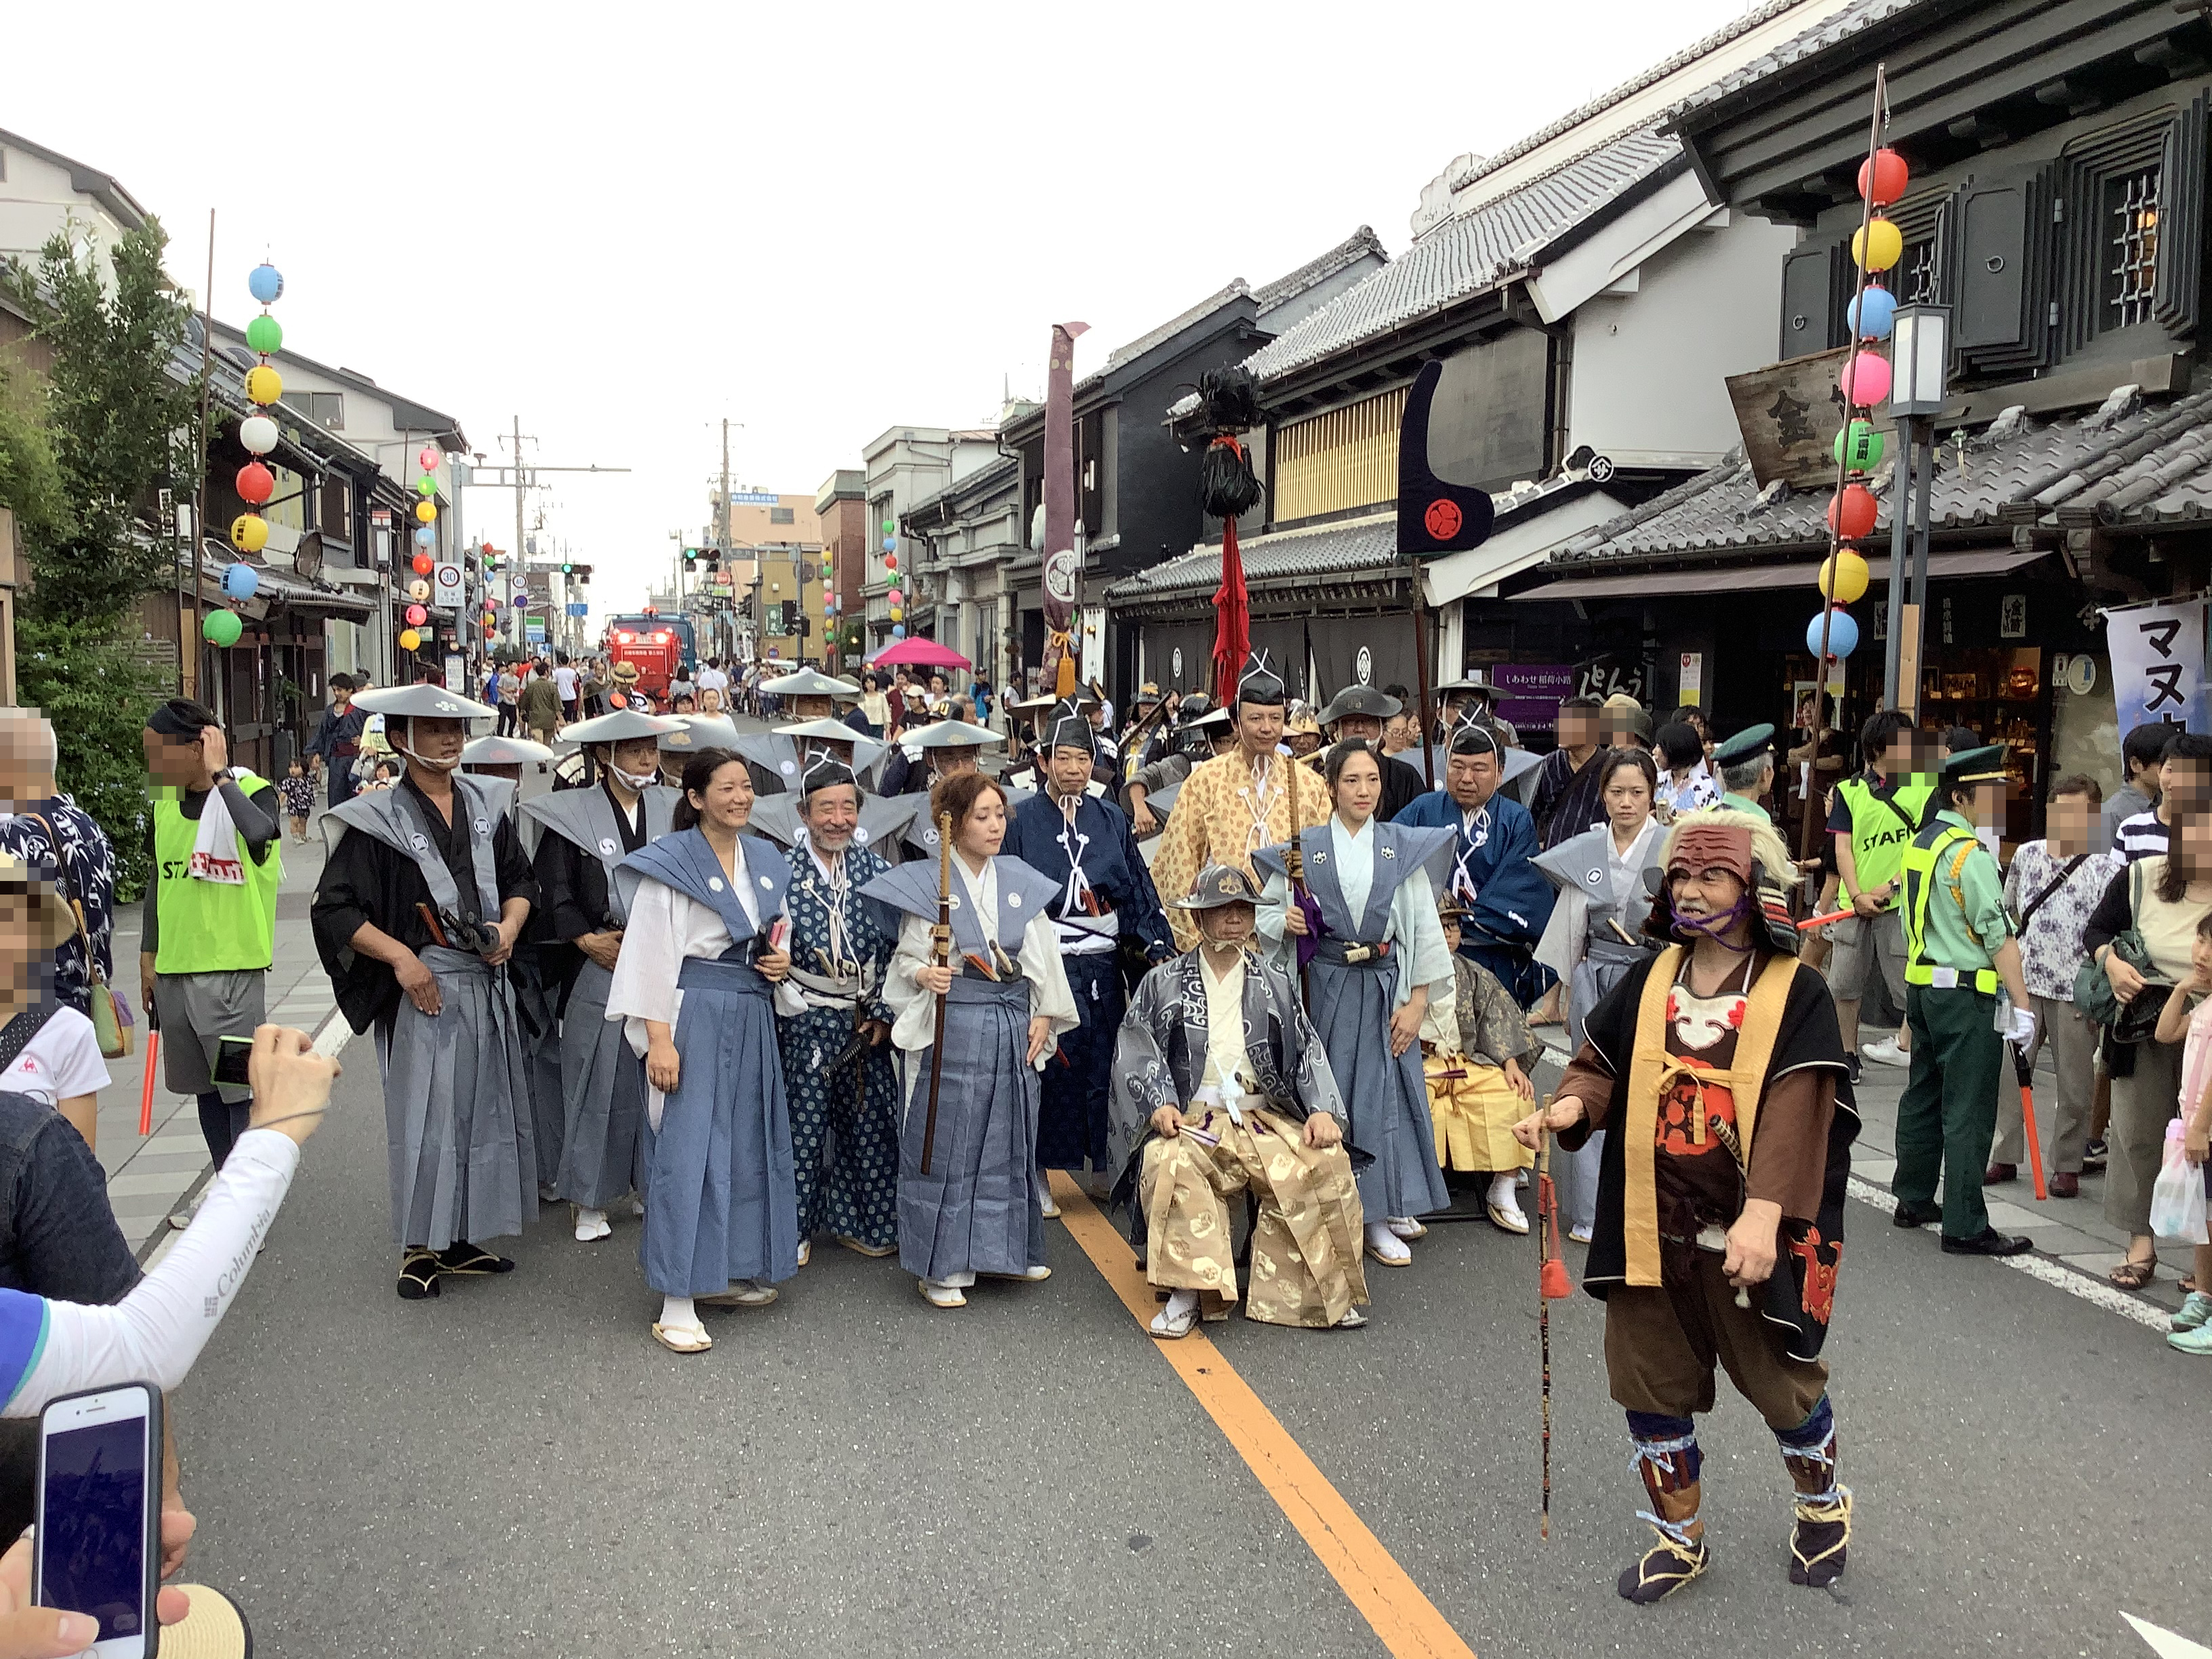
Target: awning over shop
(1981, 562)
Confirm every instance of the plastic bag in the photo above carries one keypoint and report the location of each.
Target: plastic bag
(2176, 1199)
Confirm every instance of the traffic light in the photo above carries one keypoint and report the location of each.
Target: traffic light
(567, 570)
(805, 625)
(583, 575)
(691, 555)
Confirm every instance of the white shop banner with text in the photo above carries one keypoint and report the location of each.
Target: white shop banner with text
(2157, 663)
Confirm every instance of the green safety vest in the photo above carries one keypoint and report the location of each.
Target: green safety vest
(1933, 851)
(209, 927)
(1880, 835)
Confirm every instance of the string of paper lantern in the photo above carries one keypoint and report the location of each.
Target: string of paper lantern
(1832, 634)
(257, 435)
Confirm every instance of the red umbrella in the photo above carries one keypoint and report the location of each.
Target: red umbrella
(915, 652)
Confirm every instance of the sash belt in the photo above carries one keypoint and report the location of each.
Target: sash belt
(721, 973)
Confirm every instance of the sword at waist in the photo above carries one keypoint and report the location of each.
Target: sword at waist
(1082, 935)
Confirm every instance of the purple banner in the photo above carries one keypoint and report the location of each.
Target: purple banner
(1533, 692)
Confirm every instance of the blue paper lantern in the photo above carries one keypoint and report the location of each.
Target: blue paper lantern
(1843, 634)
(1872, 313)
(240, 581)
(425, 536)
(266, 283)
(891, 543)
(898, 630)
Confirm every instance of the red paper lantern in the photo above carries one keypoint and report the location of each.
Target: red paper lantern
(1851, 514)
(1882, 176)
(890, 561)
(256, 483)
(424, 564)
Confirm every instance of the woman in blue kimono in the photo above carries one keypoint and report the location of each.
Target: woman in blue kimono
(1376, 957)
(834, 1024)
(702, 949)
(978, 1209)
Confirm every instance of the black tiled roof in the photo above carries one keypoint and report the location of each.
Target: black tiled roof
(1327, 550)
(2127, 465)
(1838, 27)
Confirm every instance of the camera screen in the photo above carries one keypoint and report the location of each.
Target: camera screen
(232, 1056)
(93, 1546)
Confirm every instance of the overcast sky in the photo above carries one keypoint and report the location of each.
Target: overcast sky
(819, 221)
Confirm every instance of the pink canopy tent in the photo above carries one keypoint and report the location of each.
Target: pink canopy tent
(918, 652)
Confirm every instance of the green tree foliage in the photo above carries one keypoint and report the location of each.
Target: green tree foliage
(30, 478)
(85, 680)
(121, 422)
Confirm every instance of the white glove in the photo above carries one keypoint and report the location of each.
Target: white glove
(2023, 1028)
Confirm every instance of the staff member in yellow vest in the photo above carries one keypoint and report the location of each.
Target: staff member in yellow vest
(1873, 820)
(210, 915)
(1959, 953)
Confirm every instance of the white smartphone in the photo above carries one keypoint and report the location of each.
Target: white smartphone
(99, 1514)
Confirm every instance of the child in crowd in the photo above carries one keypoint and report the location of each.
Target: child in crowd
(298, 794)
(1471, 1050)
(2187, 1018)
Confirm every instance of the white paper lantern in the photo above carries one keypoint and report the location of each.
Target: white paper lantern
(258, 434)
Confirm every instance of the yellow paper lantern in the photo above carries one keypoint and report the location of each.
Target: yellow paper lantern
(263, 384)
(249, 533)
(408, 639)
(1879, 251)
(426, 512)
(1844, 577)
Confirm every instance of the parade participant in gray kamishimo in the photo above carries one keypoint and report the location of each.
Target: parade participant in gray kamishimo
(948, 748)
(1221, 1087)
(702, 949)
(834, 1024)
(884, 820)
(772, 758)
(534, 971)
(420, 905)
(977, 1209)
(1605, 878)
(581, 835)
(1378, 956)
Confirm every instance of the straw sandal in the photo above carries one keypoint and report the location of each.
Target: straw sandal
(682, 1339)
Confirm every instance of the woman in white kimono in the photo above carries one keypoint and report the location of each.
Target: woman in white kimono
(1374, 950)
(1595, 934)
(704, 942)
(978, 1210)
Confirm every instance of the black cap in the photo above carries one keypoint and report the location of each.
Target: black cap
(823, 770)
(1261, 684)
(1469, 738)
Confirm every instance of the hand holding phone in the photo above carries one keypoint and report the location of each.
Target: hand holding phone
(233, 1060)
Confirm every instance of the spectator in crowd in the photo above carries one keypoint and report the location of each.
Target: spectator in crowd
(58, 839)
(712, 679)
(2141, 753)
(2051, 891)
(2184, 785)
(1686, 781)
(336, 743)
(1875, 816)
(209, 929)
(1358, 712)
(1690, 716)
(872, 713)
(1403, 729)
(1622, 723)
(541, 704)
(980, 692)
(2188, 1016)
(2163, 897)
(1827, 757)
(1566, 802)
(567, 685)
(510, 702)
(48, 1052)
(681, 685)
(298, 795)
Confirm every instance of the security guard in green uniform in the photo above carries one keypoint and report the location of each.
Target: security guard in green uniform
(1747, 768)
(1959, 952)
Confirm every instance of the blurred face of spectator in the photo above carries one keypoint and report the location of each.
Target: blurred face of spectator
(2192, 845)
(23, 944)
(2183, 783)
(1578, 728)
(27, 755)
(1907, 753)
(174, 762)
(2070, 818)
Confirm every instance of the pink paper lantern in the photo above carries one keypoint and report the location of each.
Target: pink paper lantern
(417, 615)
(1865, 379)
(430, 456)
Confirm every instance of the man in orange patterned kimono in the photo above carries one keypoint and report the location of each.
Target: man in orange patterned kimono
(1719, 1068)
(1231, 806)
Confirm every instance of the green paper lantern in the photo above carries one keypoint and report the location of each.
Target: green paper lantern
(426, 486)
(890, 527)
(1859, 446)
(265, 334)
(221, 628)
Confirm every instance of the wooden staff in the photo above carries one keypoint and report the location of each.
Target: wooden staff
(941, 952)
(1544, 1316)
(1294, 866)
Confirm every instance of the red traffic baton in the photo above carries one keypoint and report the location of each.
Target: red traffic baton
(2026, 1073)
(1822, 921)
(146, 1094)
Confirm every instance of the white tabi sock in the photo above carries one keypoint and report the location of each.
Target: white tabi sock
(1180, 1304)
(1505, 1191)
(1386, 1244)
(677, 1310)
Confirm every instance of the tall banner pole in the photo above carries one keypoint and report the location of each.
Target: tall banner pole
(1062, 572)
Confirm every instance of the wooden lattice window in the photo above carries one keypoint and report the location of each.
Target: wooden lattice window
(2131, 226)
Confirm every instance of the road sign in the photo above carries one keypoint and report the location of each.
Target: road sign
(536, 633)
(580, 608)
(446, 581)
(753, 498)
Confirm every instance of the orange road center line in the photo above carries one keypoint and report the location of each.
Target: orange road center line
(1387, 1597)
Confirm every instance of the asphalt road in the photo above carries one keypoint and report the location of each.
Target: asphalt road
(516, 1469)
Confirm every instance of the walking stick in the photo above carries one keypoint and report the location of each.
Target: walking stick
(941, 952)
(1545, 1290)
(146, 1094)
(2024, 1070)
(1294, 866)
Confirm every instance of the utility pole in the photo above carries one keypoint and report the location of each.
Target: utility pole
(722, 508)
(520, 478)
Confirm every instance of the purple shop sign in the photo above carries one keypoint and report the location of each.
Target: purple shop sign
(1533, 692)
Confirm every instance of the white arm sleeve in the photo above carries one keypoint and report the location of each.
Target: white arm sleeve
(153, 1334)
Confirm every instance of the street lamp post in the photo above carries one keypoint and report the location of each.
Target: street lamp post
(1919, 355)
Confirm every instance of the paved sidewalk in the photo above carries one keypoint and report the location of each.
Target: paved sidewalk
(150, 1176)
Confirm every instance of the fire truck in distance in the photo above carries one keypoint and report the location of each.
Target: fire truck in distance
(658, 645)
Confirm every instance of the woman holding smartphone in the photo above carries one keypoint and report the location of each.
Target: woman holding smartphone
(704, 945)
